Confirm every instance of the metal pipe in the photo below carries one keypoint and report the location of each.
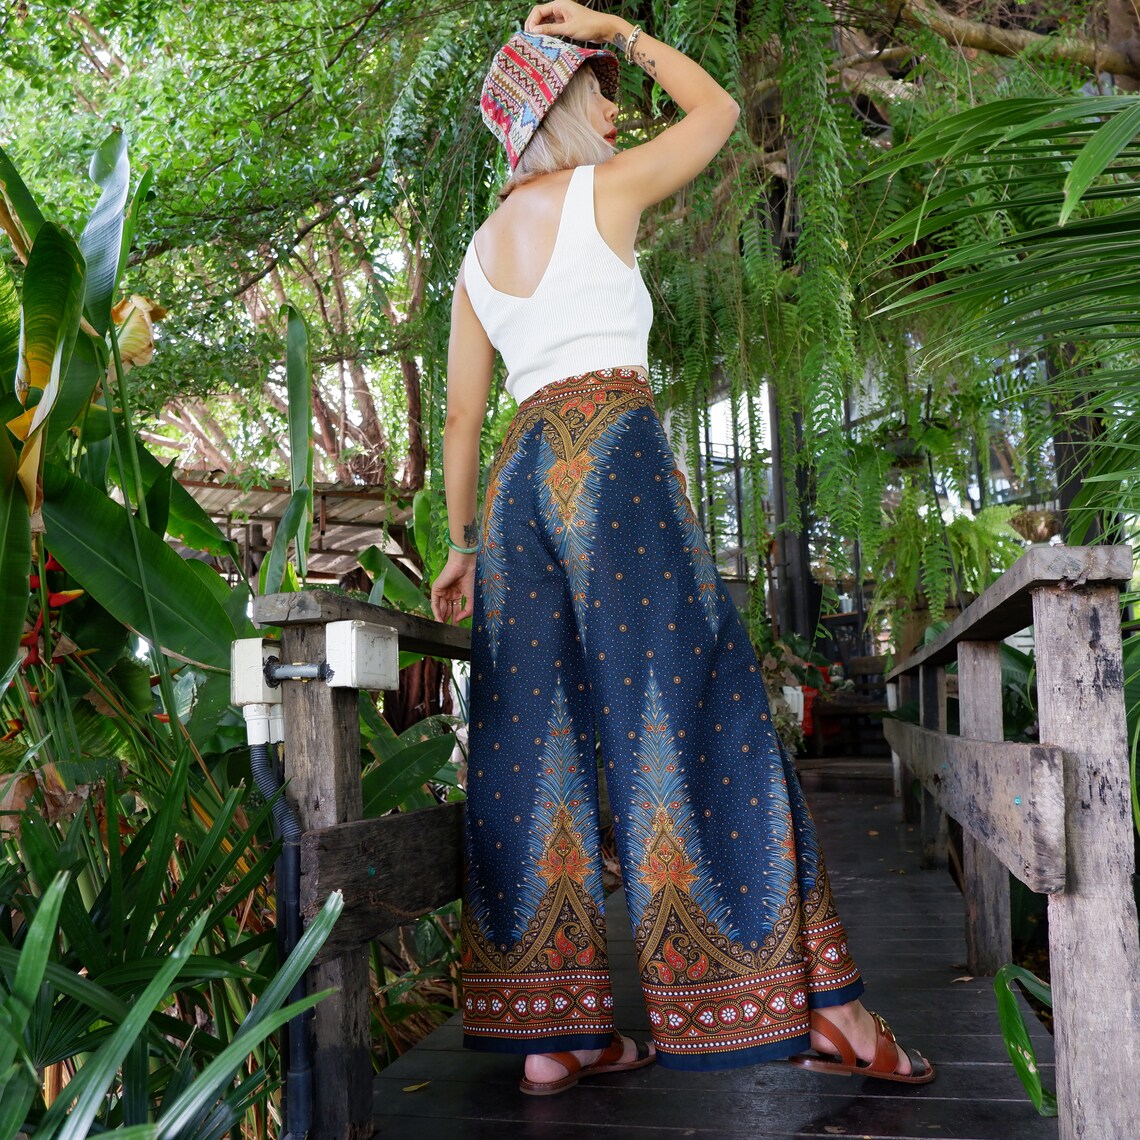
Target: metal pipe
(276, 672)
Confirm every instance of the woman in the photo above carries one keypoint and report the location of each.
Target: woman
(599, 614)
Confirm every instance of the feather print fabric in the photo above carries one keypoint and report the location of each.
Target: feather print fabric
(602, 627)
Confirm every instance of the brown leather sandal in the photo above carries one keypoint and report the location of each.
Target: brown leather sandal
(608, 1062)
(844, 1063)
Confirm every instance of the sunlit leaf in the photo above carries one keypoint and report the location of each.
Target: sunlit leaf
(1097, 153)
(399, 589)
(101, 241)
(50, 312)
(1016, 1036)
(299, 384)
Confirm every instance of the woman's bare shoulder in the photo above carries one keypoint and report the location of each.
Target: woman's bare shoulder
(532, 204)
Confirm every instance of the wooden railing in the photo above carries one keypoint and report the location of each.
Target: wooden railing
(389, 869)
(1057, 814)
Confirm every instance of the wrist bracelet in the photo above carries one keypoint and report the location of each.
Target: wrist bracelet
(630, 42)
(461, 549)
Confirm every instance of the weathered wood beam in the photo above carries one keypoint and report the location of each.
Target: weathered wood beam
(934, 826)
(1007, 607)
(1093, 942)
(417, 634)
(1008, 796)
(391, 870)
(989, 938)
(322, 770)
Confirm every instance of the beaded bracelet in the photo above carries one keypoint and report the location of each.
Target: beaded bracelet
(461, 549)
(630, 42)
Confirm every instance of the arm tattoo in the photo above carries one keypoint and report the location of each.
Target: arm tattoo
(650, 65)
(470, 533)
(619, 42)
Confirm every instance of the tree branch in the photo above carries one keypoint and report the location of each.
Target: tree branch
(1118, 58)
(340, 200)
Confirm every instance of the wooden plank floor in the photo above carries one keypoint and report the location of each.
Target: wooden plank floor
(906, 932)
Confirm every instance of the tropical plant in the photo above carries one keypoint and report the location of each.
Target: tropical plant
(279, 187)
(84, 711)
(1044, 287)
(1047, 292)
(1016, 1036)
(152, 937)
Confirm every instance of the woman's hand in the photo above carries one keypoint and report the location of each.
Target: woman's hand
(575, 22)
(453, 592)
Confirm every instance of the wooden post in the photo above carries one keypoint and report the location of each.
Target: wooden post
(932, 715)
(908, 691)
(1094, 949)
(896, 762)
(988, 937)
(322, 767)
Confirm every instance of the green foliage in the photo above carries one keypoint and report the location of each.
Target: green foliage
(983, 546)
(15, 553)
(404, 763)
(152, 591)
(299, 384)
(123, 940)
(1016, 1037)
(19, 1080)
(393, 583)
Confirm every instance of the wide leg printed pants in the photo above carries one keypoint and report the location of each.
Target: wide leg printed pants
(600, 618)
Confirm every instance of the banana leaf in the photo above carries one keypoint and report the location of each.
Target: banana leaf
(187, 520)
(102, 237)
(9, 327)
(85, 371)
(399, 589)
(299, 383)
(94, 539)
(15, 555)
(273, 576)
(158, 500)
(143, 193)
(51, 309)
(421, 523)
(20, 217)
(389, 783)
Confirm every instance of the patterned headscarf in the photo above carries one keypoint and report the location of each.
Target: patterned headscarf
(527, 74)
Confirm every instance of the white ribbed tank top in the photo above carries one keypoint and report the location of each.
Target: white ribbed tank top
(590, 310)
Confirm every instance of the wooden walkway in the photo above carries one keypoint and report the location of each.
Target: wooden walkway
(906, 929)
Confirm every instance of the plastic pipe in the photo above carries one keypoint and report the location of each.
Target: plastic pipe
(262, 728)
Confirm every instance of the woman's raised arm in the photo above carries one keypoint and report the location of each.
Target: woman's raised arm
(644, 175)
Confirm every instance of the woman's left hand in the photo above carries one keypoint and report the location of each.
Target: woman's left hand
(453, 592)
(574, 21)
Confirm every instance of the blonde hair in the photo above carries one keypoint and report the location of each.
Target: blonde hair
(564, 138)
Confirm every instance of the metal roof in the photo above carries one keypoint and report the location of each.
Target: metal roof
(346, 519)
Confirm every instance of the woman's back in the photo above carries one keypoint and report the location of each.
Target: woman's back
(552, 294)
(516, 242)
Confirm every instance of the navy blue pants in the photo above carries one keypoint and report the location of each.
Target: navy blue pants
(601, 620)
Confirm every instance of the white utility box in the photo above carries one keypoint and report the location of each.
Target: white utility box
(362, 655)
(247, 671)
